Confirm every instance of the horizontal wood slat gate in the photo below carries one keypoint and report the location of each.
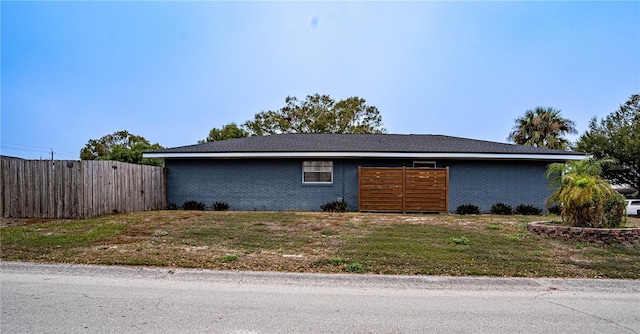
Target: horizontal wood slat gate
(403, 189)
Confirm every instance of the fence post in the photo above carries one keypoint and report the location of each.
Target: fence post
(446, 191)
(404, 189)
(359, 188)
(3, 169)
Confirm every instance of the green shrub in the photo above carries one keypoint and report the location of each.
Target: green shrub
(494, 226)
(228, 258)
(468, 209)
(459, 241)
(555, 209)
(328, 232)
(587, 199)
(615, 211)
(337, 261)
(501, 209)
(354, 268)
(193, 205)
(527, 210)
(220, 206)
(172, 206)
(335, 206)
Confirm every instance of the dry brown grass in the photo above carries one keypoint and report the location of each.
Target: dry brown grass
(316, 242)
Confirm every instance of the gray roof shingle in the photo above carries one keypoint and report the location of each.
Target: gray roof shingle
(383, 143)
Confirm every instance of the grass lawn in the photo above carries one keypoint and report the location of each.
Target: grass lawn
(317, 242)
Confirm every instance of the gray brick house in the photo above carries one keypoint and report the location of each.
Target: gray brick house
(303, 171)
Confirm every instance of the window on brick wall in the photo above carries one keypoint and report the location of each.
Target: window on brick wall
(317, 171)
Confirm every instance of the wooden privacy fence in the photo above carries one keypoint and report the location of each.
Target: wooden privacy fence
(403, 189)
(78, 189)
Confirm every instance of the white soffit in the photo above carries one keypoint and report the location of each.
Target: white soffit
(249, 155)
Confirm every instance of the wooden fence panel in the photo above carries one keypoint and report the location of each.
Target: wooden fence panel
(67, 188)
(403, 189)
(2, 183)
(426, 189)
(78, 189)
(380, 189)
(20, 189)
(120, 190)
(58, 190)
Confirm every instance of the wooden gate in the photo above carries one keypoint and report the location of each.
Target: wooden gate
(403, 189)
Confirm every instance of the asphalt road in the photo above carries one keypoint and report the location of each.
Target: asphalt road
(37, 298)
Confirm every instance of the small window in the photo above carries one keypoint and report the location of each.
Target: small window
(317, 172)
(424, 164)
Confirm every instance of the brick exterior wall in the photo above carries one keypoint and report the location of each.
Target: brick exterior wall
(484, 183)
(276, 184)
(624, 236)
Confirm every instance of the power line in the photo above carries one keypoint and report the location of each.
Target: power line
(44, 152)
(6, 143)
(32, 148)
(24, 149)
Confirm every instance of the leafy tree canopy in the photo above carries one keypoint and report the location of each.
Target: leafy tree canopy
(616, 136)
(542, 127)
(120, 146)
(228, 131)
(318, 114)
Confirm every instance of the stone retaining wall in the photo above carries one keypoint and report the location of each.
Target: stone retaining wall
(624, 236)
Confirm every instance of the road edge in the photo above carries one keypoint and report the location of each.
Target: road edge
(466, 283)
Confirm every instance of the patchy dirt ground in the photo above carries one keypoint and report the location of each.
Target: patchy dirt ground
(4, 222)
(387, 218)
(315, 242)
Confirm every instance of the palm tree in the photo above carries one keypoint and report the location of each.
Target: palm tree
(542, 127)
(587, 199)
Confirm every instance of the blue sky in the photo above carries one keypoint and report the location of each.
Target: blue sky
(171, 71)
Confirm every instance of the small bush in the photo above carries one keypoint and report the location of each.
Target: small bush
(172, 206)
(494, 226)
(615, 212)
(337, 261)
(328, 232)
(354, 268)
(555, 209)
(460, 241)
(501, 209)
(468, 209)
(527, 210)
(335, 206)
(228, 258)
(193, 205)
(220, 206)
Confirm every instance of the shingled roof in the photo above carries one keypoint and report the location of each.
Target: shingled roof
(359, 145)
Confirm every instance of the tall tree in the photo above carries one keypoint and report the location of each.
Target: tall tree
(542, 127)
(617, 136)
(120, 146)
(228, 131)
(318, 114)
